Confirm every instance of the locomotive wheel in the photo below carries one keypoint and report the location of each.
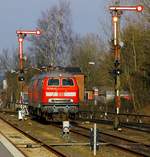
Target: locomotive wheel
(39, 114)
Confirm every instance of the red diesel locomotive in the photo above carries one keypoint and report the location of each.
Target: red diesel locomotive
(53, 93)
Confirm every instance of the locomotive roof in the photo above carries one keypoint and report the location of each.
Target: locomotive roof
(53, 74)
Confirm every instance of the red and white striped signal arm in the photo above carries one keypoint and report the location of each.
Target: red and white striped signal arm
(138, 8)
(36, 32)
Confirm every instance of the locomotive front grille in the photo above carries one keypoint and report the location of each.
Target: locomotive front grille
(57, 101)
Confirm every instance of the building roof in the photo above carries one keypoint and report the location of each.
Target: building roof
(76, 70)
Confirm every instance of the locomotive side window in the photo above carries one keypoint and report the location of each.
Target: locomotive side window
(67, 82)
(53, 82)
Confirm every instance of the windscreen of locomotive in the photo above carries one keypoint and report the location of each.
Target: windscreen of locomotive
(67, 82)
(53, 82)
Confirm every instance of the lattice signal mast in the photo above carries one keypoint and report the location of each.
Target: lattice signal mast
(116, 12)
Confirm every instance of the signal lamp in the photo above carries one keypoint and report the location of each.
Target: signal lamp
(38, 32)
(116, 63)
(121, 44)
(115, 18)
(20, 39)
(21, 76)
(117, 72)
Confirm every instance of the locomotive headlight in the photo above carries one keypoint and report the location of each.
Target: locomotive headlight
(69, 93)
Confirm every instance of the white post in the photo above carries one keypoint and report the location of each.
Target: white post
(20, 116)
(5, 85)
(66, 127)
(95, 95)
(94, 139)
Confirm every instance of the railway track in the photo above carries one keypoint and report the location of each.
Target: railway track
(130, 125)
(38, 142)
(120, 142)
(112, 140)
(138, 118)
(139, 126)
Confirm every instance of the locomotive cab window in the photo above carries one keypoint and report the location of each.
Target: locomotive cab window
(67, 82)
(53, 82)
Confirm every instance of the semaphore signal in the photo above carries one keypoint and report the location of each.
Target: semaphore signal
(21, 35)
(116, 12)
(138, 8)
(36, 32)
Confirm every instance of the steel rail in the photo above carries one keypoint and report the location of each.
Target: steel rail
(113, 113)
(131, 125)
(110, 139)
(120, 142)
(57, 153)
(13, 144)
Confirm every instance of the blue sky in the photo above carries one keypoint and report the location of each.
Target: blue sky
(23, 14)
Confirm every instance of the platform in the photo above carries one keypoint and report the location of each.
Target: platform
(4, 152)
(7, 149)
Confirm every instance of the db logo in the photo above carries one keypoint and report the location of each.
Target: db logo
(61, 94)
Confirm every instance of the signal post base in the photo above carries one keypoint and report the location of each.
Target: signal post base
(116, 124)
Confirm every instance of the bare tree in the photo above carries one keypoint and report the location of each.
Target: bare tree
(54, 45)
(89, 49)
(8, 59)
(135, 59)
